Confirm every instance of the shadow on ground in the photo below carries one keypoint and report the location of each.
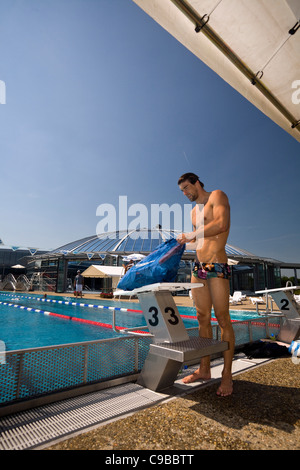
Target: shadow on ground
(251, 402)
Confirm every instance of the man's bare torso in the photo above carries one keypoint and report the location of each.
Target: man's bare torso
(213, 248)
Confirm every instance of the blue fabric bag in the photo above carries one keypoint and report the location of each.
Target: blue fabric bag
(160, 266)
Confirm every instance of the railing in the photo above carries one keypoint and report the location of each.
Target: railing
(38, 281)
(22, 283)
(8, 283)
(43, 282)
(29, 374)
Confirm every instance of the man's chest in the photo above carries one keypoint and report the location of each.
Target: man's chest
(202, 215)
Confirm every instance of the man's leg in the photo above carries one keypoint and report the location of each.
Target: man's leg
(219, 291)
(203, 304)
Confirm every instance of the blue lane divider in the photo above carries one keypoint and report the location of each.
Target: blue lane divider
(22, 307)
(77, 304)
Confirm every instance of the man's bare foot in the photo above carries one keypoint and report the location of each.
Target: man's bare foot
(226, 387)
(197, 375)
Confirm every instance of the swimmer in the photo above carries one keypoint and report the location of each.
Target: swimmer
(211, 269)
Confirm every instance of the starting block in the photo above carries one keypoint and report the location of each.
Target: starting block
(284, 300)
(171, 344)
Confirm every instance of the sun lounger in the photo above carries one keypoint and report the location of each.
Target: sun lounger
(125, 293)
(236, 297)
(257, 300)
(297, 299)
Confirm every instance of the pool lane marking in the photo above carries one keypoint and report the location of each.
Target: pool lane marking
(80, 304)
(77, 304)
(68, 317)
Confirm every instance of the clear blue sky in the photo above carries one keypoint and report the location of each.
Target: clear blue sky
(102, 102)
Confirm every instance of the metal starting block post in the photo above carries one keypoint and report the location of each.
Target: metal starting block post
(284, 300)
(172, 345)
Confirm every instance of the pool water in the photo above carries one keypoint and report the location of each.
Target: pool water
(21, 328)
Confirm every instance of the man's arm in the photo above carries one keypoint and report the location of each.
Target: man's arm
(221, 215)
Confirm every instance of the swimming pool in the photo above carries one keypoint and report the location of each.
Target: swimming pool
(47, 353)
(30, 321)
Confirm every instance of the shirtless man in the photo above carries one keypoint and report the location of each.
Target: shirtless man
(210, 269)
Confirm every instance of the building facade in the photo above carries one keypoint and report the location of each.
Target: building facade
(249, 272)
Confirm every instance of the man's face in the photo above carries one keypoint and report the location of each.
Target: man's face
(189, 190)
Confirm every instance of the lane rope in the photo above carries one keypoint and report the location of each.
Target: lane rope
(77, 304)
(107, 307)
(67, 317)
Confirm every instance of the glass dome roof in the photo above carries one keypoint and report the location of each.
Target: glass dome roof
(125, 242)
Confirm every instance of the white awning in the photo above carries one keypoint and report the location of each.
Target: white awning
(103, 271)
(254, 45)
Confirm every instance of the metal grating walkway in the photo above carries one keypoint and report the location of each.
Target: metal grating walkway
(38, 427)
(32, 428)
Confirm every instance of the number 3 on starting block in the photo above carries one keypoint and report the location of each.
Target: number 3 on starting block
(162, 317)
(173, 320)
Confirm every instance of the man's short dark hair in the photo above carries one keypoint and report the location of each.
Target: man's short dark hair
(191, 178)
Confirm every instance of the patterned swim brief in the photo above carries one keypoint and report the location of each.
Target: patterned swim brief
(211, 270)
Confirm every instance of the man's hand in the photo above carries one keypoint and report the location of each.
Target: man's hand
(181, 239)
(185, 238)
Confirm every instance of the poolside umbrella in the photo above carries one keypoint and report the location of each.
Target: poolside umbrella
(134, 257)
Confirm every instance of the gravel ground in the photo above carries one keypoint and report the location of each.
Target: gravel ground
(262, 414)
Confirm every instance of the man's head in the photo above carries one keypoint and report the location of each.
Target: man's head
(190, 185)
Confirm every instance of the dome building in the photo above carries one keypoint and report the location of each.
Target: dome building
(249, 272)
